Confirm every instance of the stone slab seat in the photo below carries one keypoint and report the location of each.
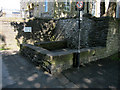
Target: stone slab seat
(59, 52)
(52, 45)
(54, 61)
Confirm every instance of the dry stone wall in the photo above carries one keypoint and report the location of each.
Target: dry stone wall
(42, 30)
(99, 35)
(94, 31)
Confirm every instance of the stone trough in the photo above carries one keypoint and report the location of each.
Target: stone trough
(54, 57)
(99, 39)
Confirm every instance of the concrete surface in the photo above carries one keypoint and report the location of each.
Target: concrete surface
(23, 74)
(0, 70)
(100, 74)
(26, 75)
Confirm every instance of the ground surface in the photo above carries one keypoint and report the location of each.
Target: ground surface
(8, 34)
(17, 72)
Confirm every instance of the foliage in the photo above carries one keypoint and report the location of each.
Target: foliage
(115, 57)
(42, 30)
(3, 47)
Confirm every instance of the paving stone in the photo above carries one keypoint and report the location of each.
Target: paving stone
(100, 74)
(71, 85)
(6, 79)
(62, 79)
(0, 70)
(26, 75)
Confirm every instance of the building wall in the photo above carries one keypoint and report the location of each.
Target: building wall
(57, 9)
(38, 9)
(118, 9)
(60, 10)
(41, 10)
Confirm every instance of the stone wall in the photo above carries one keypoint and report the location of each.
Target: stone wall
(94, 31)
(99, 39)
(42, 30)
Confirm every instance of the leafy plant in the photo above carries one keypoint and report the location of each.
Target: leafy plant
(3, 47)
(115, 57)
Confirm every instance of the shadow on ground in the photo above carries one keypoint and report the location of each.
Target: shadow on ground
(25, 74)
(100, 74)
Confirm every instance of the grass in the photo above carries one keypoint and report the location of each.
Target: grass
(4, 49)
(115, 57)
(1, 49)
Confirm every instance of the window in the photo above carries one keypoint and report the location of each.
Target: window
(93, 8)
(46, 6)
(67, 5)
(102, 8)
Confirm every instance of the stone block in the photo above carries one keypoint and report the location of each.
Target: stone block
(52, 61)
(99, 39)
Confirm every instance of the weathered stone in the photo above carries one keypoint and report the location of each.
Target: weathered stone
(97, 42)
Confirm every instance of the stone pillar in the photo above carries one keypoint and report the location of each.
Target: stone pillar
(23, 13)
(106, 5)
(118, 9)
(85, 6)
(90, 7)
(97, 8)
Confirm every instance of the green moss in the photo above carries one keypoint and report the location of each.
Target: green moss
(83, 54)
(87, 53)
(115, 57)
(64, 59)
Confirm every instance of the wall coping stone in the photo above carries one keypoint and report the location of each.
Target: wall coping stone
(59, 52)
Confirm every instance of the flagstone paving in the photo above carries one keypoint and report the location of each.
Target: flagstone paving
(21, 73)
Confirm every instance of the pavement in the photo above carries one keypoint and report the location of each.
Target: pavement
(17, 72)
(9, 35)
